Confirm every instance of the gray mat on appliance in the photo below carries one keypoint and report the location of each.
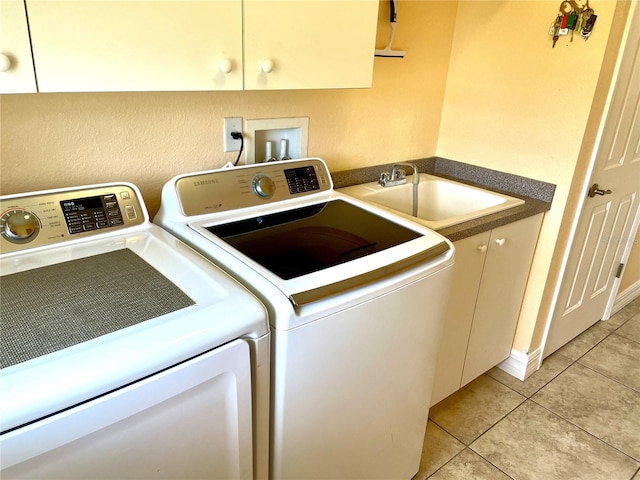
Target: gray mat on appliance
(54, 307)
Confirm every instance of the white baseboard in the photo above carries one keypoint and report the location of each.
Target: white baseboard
(625, 298)
(521, 365)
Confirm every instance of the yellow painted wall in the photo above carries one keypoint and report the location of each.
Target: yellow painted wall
(55, 140)
(514, 103)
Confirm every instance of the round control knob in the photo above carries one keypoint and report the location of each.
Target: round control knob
(263, 186)
(19, 226)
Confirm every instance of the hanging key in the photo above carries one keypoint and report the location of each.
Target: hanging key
(588, 23)
(572, 20)
(579, 23)
(556, 30)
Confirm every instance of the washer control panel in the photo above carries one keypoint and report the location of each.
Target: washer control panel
(92, 213)
(251, 185)
(45, 218)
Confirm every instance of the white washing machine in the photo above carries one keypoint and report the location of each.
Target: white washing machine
(356, 300)
(124, 354)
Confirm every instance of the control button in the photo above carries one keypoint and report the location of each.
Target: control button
(131, 212)
(125, 195)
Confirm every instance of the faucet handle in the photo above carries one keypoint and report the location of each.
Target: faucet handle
(384, 178)
(398, 174)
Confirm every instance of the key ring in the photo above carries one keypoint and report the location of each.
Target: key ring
(572, 5)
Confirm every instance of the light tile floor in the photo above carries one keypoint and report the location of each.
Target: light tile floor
(578, 417)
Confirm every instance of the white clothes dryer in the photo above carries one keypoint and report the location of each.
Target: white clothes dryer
(356, 299)
(124, 354)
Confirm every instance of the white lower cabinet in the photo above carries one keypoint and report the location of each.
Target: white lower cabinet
(489, 280)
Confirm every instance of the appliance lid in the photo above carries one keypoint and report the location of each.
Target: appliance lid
(313, 237)
(320, 249)
(207, 309)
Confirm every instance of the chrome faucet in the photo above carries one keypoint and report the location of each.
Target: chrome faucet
(398, 176)
(415, 178)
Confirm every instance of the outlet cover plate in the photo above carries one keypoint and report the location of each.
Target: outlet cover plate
(232, 124)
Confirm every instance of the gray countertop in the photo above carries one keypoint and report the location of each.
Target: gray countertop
(537, 195)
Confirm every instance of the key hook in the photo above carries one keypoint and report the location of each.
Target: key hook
(594, 190)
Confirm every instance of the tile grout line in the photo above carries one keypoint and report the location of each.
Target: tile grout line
(587, 432)
(476, 453)
(530, 398)
(607, 377)
(524, 399)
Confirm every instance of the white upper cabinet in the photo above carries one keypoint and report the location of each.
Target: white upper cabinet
(16, 64)
(136, 45)
(181, 45)
(292, 44)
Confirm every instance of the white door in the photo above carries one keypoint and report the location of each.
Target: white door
(610, 215)
(190, 421)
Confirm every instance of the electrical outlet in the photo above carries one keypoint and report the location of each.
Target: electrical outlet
(232, 124)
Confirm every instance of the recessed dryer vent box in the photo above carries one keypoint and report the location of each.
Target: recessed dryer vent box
(259, 131)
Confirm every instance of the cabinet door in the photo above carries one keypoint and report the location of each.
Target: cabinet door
(504, 279)
(16, 64)
(467, 272)
(310, 43)
(136, 45)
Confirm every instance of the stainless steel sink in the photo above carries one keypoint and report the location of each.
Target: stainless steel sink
(441, 202)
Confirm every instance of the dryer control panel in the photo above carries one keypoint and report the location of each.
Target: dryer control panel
(53, 216)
